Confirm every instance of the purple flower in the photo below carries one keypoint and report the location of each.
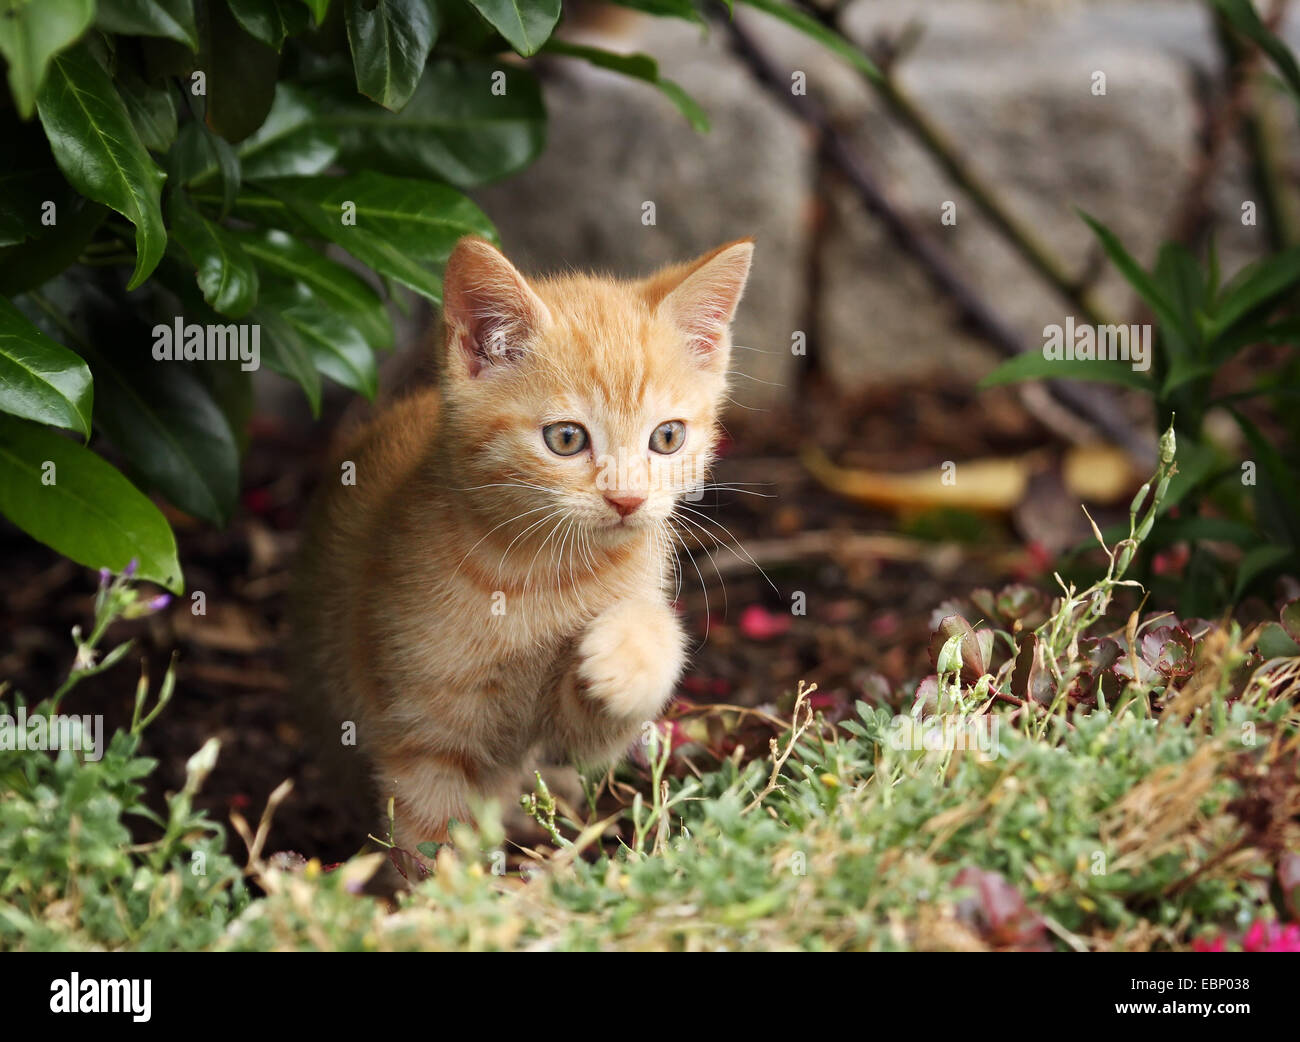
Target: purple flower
(130, 569)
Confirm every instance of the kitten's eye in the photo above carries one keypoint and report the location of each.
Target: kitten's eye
(668, 437)
(565, 438)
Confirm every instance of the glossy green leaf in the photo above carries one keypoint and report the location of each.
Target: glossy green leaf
(390, 41)
(172, 19)
(455, 128)
(1197, 529)
(45, 249)
(241, 76)
(526, 24)
(232, 389)
(1258, 285)
(683, 9)
(284, 351)
(1181, 282)
(225, 273)
(292, 142)
(164, 421)
(340, 290)
(99, 151)
(638, 66)
(1257, 562)
(1134, 274)
(31, 34)
(337, 349)
(1274, 641)
(65, 496)
(1290, 619)
(259, 208)
(1278, 494)
(1243, 17)
(318, 9)
(152, 111)
(270, 21)
(828, 38)
(397, 226)
(40, 379)
(1033, 366)
(199, 155)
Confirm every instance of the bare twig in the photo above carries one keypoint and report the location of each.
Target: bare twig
(945, 152)
(978, 316)
(800, 720)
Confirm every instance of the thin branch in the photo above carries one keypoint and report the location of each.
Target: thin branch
(945, 152)
(981, 319)
(800, 720)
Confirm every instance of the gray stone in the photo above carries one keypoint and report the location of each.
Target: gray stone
(1010, 83)
(617, 144)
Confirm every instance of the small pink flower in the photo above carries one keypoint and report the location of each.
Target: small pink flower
(824, 700)
(1210, 944)
(757, 623)
(1268, 935)
(883, 626)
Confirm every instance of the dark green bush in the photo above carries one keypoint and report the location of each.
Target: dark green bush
(174, 165)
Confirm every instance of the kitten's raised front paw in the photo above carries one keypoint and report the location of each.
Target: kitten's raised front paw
(630, 658)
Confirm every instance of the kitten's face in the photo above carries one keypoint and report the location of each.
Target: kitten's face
(584, 403)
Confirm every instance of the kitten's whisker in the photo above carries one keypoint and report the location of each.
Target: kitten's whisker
(739, 550)
(568, 533)
(662, 548)
(504, 484)
(737, 372)
(590, 559)
(728, 488)
(489, 532)
(540, 521)
(528, 578)
(708, 612)
(748, 408)
(678, 571)
(726, 603)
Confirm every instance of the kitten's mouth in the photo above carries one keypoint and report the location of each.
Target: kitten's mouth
(626, 524)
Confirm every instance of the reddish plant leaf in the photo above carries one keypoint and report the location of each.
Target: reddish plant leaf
(972, 656)
(998, 912)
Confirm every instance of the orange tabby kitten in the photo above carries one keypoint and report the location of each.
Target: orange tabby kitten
(493, 586)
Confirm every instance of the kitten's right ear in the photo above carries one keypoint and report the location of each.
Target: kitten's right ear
(489, 311)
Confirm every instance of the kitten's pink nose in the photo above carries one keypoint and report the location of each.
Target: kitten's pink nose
(625, 502)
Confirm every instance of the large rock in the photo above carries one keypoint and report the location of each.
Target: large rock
(1010, 83)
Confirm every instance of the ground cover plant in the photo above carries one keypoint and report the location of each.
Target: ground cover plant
(1123, 782)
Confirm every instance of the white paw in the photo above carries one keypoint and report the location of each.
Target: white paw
(630, 658)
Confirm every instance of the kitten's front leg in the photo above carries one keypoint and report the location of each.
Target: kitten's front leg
(626, 668)
(630, 658)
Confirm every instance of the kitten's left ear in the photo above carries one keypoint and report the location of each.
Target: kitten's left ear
(704, 301)
(490, 313)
